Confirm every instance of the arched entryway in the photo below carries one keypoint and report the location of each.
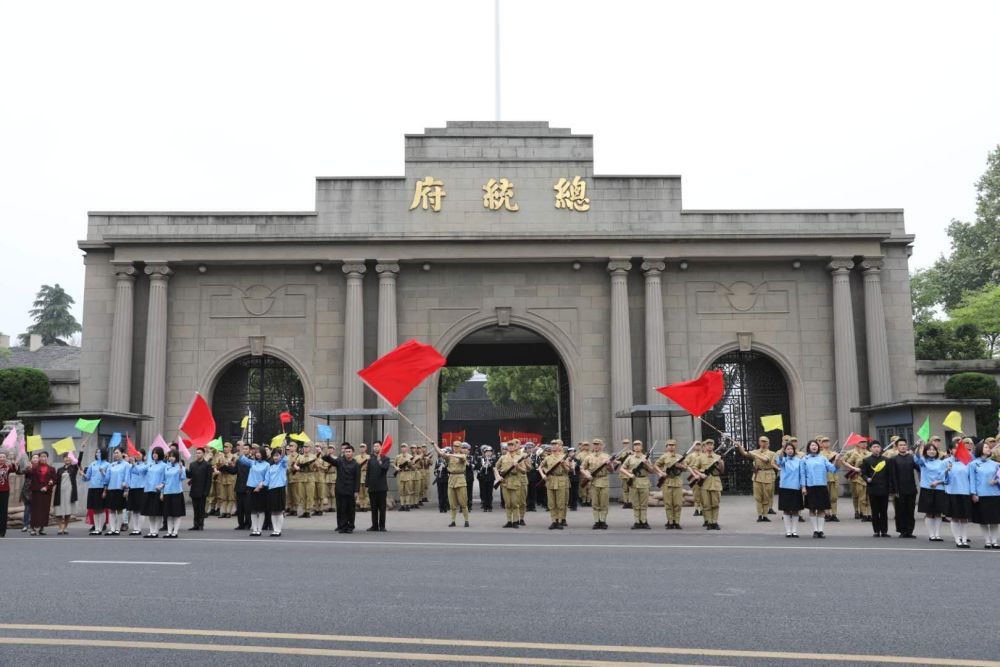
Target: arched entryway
(755, 386)
(517, 357)
(262, 386)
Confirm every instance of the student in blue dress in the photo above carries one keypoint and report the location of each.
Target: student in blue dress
(173, 493)
(956, 485)
(814, 469)
(984, 486)
(275, 480)
(136, 491)
(114, 498)
(933, 502)
(255, 485)
(152, 506)
(790, 488)
(96, 476)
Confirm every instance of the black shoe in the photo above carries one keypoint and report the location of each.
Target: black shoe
(627, 506)
(678, 526)
(559, 526)
(801, 520)
(795, 535)
(320, 513)
(821, 535)
(833, 518)
(451, 525)
(373, 529)
(761, 519)
(716, 526)
(305, 515)
(697, 512)
(604, 525)
(866, 519)
(771, 511)
(521, 522)
(636, 526)
(645, 526)
(596, 526)
(553, 526)
(765, 519)
(466, 524)
(194, 528)
(562, 522)
(507, 525)
(857, 515)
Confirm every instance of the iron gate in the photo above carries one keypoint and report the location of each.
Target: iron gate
(264, 387)
(754, 387)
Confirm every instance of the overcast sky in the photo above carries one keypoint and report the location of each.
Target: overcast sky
(238, 106)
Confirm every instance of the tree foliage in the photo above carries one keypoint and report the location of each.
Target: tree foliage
(534, 386)
(982, 310)
(977, 385)
(53, 319)
(22, 389)
(942, 339)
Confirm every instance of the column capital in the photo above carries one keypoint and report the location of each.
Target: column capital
(619, 265)
(388, 267)
(653, 266)
(840, 265)
(871, 265)
(124, 270)
(354, 267)
(158, 271)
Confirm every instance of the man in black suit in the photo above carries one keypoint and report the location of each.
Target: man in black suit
(199, 475)
(378, 486)
(903, 488)
(347, 487)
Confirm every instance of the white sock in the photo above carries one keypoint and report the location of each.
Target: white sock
(177, 524)
(821, 522)
(956, 531)
(279, 521)
(255, 522)
(986, 532)
(937, 528)
(814, 522)
(785, 519)
(963, 529)
(99, 521)
(154, 525)
(995, 532)
(116, 520)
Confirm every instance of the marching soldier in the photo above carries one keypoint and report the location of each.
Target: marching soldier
(364, 503)
(859, 490)
(401, 465)
(330, 479)
(669, 466)
(293, 482)
(583, 490)
(554, 470)
(711, 466)
(764, 468)
(512, 469)
(596, 471)
(634, 469)
(832, 478)
(306, 480)
(626, 488)
(458, 498)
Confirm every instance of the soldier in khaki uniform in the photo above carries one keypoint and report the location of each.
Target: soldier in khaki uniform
(582, 452)
(859, 490)
(764, 469)
(622, 480)
(596, 471)
(320, 468)
(420, 461)
(401, 466)
(832, 478)
(512, 468)
(364, 504)
(306, 480)
(670, 466)
(458, 495)
(330, 478)
(635, 469)
(292, 501)
(227, 481)
(554, 470)
(711, 466)
(692, 462)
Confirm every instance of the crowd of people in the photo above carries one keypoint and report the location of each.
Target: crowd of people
(143, 493)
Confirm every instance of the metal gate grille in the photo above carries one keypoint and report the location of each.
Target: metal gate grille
(754, 387)
(263, 386)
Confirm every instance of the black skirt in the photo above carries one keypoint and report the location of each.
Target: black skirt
(959, 506)
(987, 510)
(115, 500)
(932, 501)
(173, 504)
(151, 504)
(258, 501)
(818, 498)
(789, 500)
(275, 499)
(136, 497)
(94, 500)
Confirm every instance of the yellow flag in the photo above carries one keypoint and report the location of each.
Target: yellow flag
(34, 443)
(300, 437)
(278, 441)
(772, 423)
(245, 422)
(954, 421)
(63, 446)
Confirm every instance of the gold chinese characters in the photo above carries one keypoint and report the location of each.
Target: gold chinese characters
(498, 194)
(572, 195)
(428, 193)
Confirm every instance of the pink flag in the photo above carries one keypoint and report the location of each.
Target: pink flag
(11, 440)
(183, 449)
(72, 458)
(20, 448)
(158, 441)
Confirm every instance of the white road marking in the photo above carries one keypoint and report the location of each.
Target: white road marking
(128, 562)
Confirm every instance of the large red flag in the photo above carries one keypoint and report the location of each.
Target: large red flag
(394, 375)
(199, 424)
(962, 454)
(696, 396)
(854, 439)
(386, 446)
(131, 450)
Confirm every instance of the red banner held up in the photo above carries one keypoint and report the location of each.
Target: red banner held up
(395, 374)
(696, 396)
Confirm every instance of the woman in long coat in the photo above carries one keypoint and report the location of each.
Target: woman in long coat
(41, 479)
(65, 500)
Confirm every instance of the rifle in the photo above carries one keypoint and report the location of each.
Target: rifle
(502, 476)
(585, 481)
(694, 482)
(659, 482)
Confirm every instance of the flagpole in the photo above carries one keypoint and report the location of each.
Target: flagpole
(404, 417)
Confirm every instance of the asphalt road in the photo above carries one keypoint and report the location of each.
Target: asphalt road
(421, 592)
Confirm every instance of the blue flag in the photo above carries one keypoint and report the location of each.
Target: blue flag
(324, 432)
(116, 439)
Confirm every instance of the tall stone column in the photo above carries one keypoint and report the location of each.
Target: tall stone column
(879, 377)
(154, 382)
(354, 346)
(656, 344)
(120, 369)
(845, 357)
(388, 333)
(621, 349)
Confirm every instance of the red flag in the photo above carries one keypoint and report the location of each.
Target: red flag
(854, 439)
(394, 375)
(285, 417)
(129, 447)
(199, 424)
(696, 396)
(386, 446)
(962, 454)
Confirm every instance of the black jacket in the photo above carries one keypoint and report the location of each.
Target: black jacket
(348, 475)
(878, 482)
(200, 478)
(73, 470)
(242, 472)
(901, 478)
(378, 473)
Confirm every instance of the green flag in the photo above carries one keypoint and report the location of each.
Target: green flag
(216, 444)
(924, 432)
(87, 425)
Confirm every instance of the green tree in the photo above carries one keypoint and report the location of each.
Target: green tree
(942, 339)
(53, 320)
(451, 378)
(534, 386)
(977, 385)
(22, 389)
(982, 309)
